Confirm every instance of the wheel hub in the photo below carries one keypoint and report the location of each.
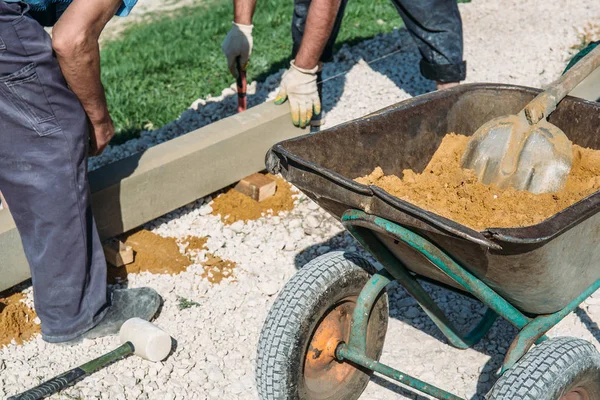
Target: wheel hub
(323, 373)
(577, 393)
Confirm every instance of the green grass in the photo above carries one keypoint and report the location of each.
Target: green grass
(158, 68)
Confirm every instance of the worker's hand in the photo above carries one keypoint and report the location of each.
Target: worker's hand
(299, 85)
(100, 135)
(238, 43)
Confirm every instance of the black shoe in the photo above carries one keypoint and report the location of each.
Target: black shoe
(125, 304)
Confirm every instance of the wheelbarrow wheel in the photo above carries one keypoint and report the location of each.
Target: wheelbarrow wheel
(311, 315)
(562, 368)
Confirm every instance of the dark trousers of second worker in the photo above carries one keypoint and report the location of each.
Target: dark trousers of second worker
(435, 25)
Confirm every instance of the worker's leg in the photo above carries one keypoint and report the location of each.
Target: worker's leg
(436, 26)
(43, 162)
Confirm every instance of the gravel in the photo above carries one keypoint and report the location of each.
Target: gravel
(216, 341)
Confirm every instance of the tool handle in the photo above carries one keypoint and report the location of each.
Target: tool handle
(61, 381)
(545, 103)
(241, 87)
(50, 387)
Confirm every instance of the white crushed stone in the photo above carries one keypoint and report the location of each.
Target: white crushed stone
(508, 42)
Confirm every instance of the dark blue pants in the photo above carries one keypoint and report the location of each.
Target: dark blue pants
(435, 25)
(43, 176)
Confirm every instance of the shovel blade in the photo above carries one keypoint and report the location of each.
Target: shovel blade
(508, 152)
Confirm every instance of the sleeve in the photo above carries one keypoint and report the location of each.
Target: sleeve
(126, 8)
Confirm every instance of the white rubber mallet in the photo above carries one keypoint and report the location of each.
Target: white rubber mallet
(137, 336)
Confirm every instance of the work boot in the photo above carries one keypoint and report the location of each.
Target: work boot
(125, 304)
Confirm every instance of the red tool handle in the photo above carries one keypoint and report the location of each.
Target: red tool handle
(241, 87)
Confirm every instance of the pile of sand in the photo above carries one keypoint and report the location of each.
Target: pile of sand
(195, 243)
(155, 254)
(234, 206)
(161, 255)
(16, 320)
(450, 191)
(216, 269)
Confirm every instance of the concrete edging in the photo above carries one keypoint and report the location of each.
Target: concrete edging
(142, 187)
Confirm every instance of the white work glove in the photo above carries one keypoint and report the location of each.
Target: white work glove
(299, 85)
(238, 43)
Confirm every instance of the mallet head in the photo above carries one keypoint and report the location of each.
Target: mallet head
(149, 341)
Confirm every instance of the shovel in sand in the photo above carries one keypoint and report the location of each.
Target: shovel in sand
(525, 151)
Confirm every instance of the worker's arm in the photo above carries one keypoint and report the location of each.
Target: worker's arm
(299, 83)
(75, 41)
(238, 42)
(319, 24)
(243, 11)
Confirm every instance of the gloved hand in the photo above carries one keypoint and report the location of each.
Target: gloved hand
(299, 85)
(238, 43)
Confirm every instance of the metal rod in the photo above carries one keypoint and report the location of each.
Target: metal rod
(414, 288)
(482, 328)
(539, 326)
(362, 311)
(344, 352)
(442, 261)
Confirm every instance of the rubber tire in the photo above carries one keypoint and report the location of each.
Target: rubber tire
(306, 297)
(550, 370)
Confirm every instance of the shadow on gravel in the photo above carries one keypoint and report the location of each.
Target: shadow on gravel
(174, 345)
(400, 64)
(394, 387)
(462, 311)
(585, 319)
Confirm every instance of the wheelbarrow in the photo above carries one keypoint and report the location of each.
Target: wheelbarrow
(325, 332)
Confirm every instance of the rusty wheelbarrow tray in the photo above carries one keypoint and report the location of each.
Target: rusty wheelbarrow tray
(531, 276)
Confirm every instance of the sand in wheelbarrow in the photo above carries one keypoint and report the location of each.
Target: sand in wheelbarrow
(17, 320)
(234, 206)
(446, 189)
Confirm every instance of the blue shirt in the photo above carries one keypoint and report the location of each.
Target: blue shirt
(39, 6)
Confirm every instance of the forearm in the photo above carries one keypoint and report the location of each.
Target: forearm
(243, 11)
(75, 42)
(319, 24)
(80, 66)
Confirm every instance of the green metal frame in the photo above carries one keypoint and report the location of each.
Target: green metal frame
(362, 225)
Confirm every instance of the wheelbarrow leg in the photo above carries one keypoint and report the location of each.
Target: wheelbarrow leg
(365, 302)
(533, 332)
(361, 225)
(414, 288)
(345, 352)
(356, 348)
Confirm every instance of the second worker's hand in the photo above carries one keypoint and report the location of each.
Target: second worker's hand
(238, 46)
(299, 88)
(100, 135)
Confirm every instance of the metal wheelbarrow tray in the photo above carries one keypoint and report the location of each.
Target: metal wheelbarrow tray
(324, 334)
(539, 268)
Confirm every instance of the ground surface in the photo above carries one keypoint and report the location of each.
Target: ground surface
(175, 57)
(216, 339)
